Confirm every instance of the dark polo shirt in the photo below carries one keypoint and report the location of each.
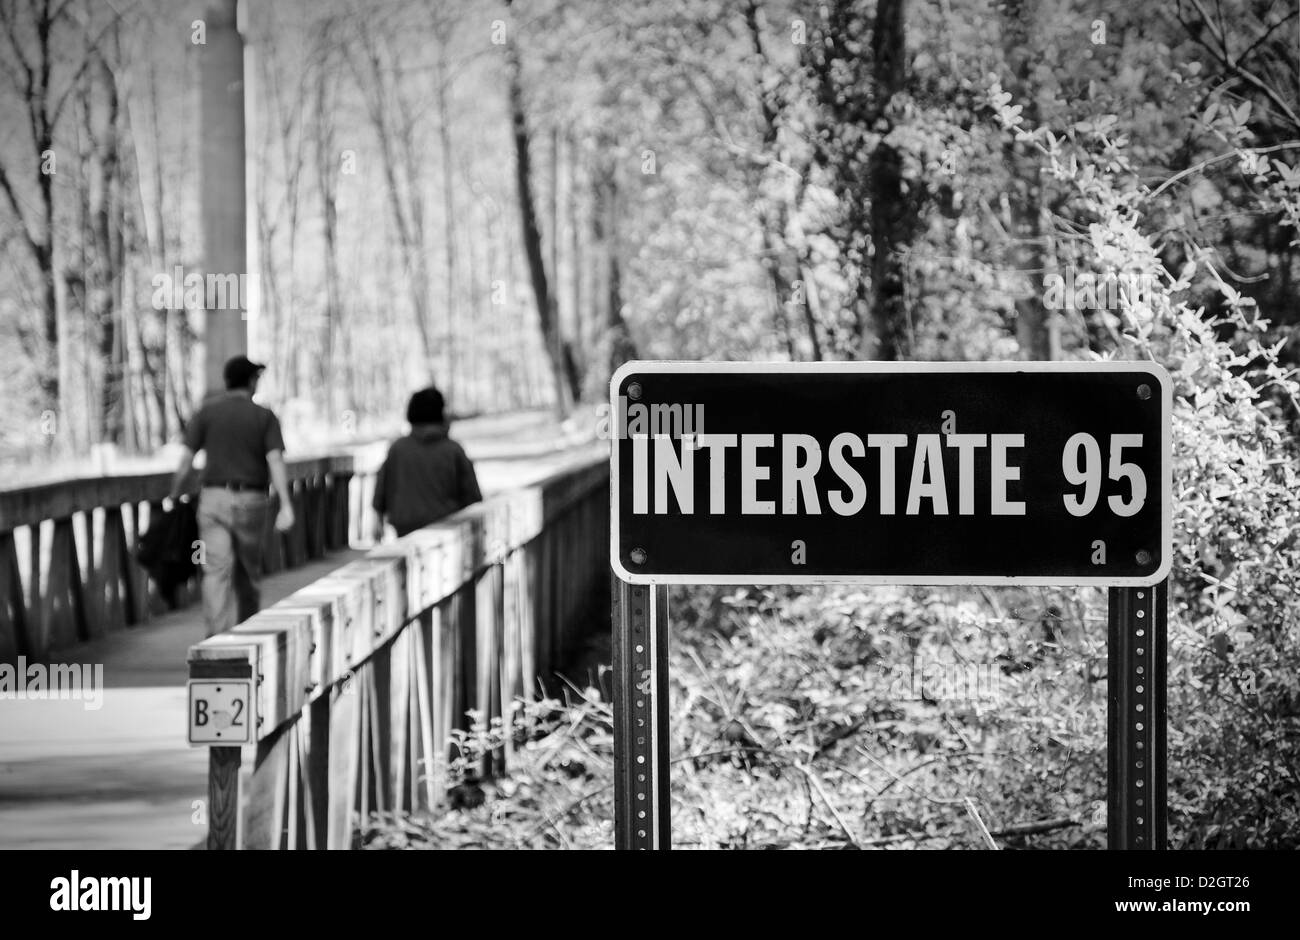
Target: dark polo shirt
(237, 434)
(425, 477)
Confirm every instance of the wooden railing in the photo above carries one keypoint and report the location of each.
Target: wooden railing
(67, 566)
(359, 678)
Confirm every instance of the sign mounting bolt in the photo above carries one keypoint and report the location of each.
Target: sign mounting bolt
(634, 391)
(1144, 391)
(638, 556)
(1143, 557)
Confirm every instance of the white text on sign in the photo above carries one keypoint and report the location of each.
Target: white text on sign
(912, 478)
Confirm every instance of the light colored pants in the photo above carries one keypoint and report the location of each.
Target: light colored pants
(230, 528)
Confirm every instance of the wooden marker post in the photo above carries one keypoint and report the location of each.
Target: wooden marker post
(225, 676)
(223, 798)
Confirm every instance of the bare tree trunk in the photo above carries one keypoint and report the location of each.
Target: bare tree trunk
(182, 395)
(478, 307)
(1036, 328)
(326, 167)
(598, 260)
(566, 383)
(604, 236)
(142, 391)
(80, 286)
(157, 239)
(621, 344)
(401, 176)
(486, 339)
(223, 183)
(449, 220)
(889, 229)
(780, 283)
(32, 76)
(553, 222)
(102, 311)
(812, 307)
(288, 131)
(577, 263)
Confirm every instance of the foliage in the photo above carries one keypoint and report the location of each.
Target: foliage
(796, 717)
(557, 795)
(835, 718)
(1234, 673)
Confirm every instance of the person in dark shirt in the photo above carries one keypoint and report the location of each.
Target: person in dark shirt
(245, 454)
(426, 475)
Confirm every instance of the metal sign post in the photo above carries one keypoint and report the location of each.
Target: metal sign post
(641, 817)
(1137, 802)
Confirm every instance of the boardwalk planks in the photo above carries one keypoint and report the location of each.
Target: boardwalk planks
(362, 675)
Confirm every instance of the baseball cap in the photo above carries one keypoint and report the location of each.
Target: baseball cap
(239, 369)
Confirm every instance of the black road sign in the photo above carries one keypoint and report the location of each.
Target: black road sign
(898, 473)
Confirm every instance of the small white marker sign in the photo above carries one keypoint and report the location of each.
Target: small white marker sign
(221, 712)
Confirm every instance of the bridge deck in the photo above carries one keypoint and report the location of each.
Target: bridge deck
(120, 776)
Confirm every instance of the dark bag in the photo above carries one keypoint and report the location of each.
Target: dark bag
(166, 549)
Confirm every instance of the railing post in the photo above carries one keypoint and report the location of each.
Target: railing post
(114, 569)
(424, 747)
(444, 647)
(316, 772)
(65, 610)
(487, 611)
(37, 643)
(341, 509)
(320, 515)
(298, 534)
(92, 595)
(139, 602)
(342, 761)
(266, 809)
(13, 627)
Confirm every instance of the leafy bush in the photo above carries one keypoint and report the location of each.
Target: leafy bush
(898, 720)
(1234, 644)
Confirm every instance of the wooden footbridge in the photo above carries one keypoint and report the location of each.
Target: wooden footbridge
(361, 666)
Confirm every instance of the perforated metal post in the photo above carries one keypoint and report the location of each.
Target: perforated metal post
(640, 620)
(1137, 800)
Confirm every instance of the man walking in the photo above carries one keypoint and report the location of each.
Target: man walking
(245, 453)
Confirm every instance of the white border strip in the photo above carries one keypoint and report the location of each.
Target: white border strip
(680, 367)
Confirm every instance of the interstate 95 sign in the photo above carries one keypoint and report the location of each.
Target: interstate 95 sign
(900, 473)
